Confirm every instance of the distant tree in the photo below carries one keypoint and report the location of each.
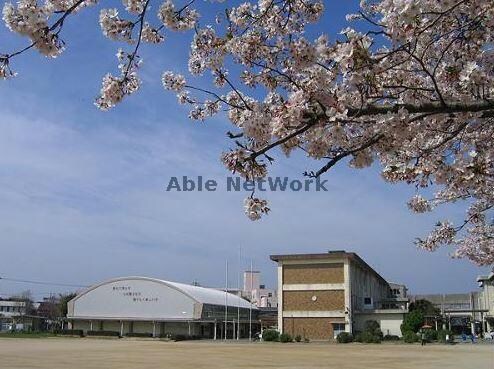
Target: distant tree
(63, 301)
(27, 298)
(425, 307)
(412, 322)
(49, 308)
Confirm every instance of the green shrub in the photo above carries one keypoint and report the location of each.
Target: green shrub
(373, 327)
(410, 337)
(344, 337)
(270, 335)
(372, 333)
(138, 334)
(430, 335)
(183, 337)
(306, 340)
(298, 338)
(69, 332)
(391, 337)
(441, 335)
(285, 337)
(367, 337)
(103, 333)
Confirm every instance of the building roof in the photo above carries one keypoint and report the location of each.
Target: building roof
(209, 295)
(332, 254)
(199, 294)
(489, 277)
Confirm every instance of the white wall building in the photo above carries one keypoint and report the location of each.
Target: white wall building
(11, 308)
(258, 293)
(157, 307)
(9, 311)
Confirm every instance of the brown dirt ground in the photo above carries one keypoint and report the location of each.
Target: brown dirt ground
(91, 353)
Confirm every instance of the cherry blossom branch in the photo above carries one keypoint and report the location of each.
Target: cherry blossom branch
(472, 107)
(132, 56)
(343, 155)
(58, 23)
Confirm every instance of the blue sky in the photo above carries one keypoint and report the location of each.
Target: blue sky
(83, 197)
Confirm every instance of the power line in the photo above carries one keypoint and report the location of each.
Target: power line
(42, 283)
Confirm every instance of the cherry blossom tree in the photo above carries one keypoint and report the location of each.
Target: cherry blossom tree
(413, 91)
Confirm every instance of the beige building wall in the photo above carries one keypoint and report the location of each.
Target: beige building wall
(318, 293)
(313, 328)
(318, 300)
(316, 273)
(311, 297)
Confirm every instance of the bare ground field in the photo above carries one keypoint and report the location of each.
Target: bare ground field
(73, 353)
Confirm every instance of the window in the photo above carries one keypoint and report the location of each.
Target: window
(338, 328)
(270, 294)
(367, 301)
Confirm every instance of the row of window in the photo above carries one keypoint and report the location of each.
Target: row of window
(11, 309)
(395, 292)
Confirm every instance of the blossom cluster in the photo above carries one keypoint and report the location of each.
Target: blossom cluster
(113, 88)
(255, 207)
(114, 27)
(177, 20)
(30, 19)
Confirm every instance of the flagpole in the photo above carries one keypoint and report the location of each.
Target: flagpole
(250, 308)
(238, 290)
(226, 298)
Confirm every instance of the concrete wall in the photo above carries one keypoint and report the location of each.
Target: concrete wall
(364, 283)
(389, 322)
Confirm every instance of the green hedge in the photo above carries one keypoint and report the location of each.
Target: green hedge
(391, 337)
(136, 334)
(410, 337)
(285, 338)
(69, 332)
(430, 335)
(298, 338)
(344, 337)
(183, 337)
(270, 335)
(367, 337)
(103, 333)
(441, 335)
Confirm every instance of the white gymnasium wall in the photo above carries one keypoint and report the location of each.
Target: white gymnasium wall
(133, 298)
